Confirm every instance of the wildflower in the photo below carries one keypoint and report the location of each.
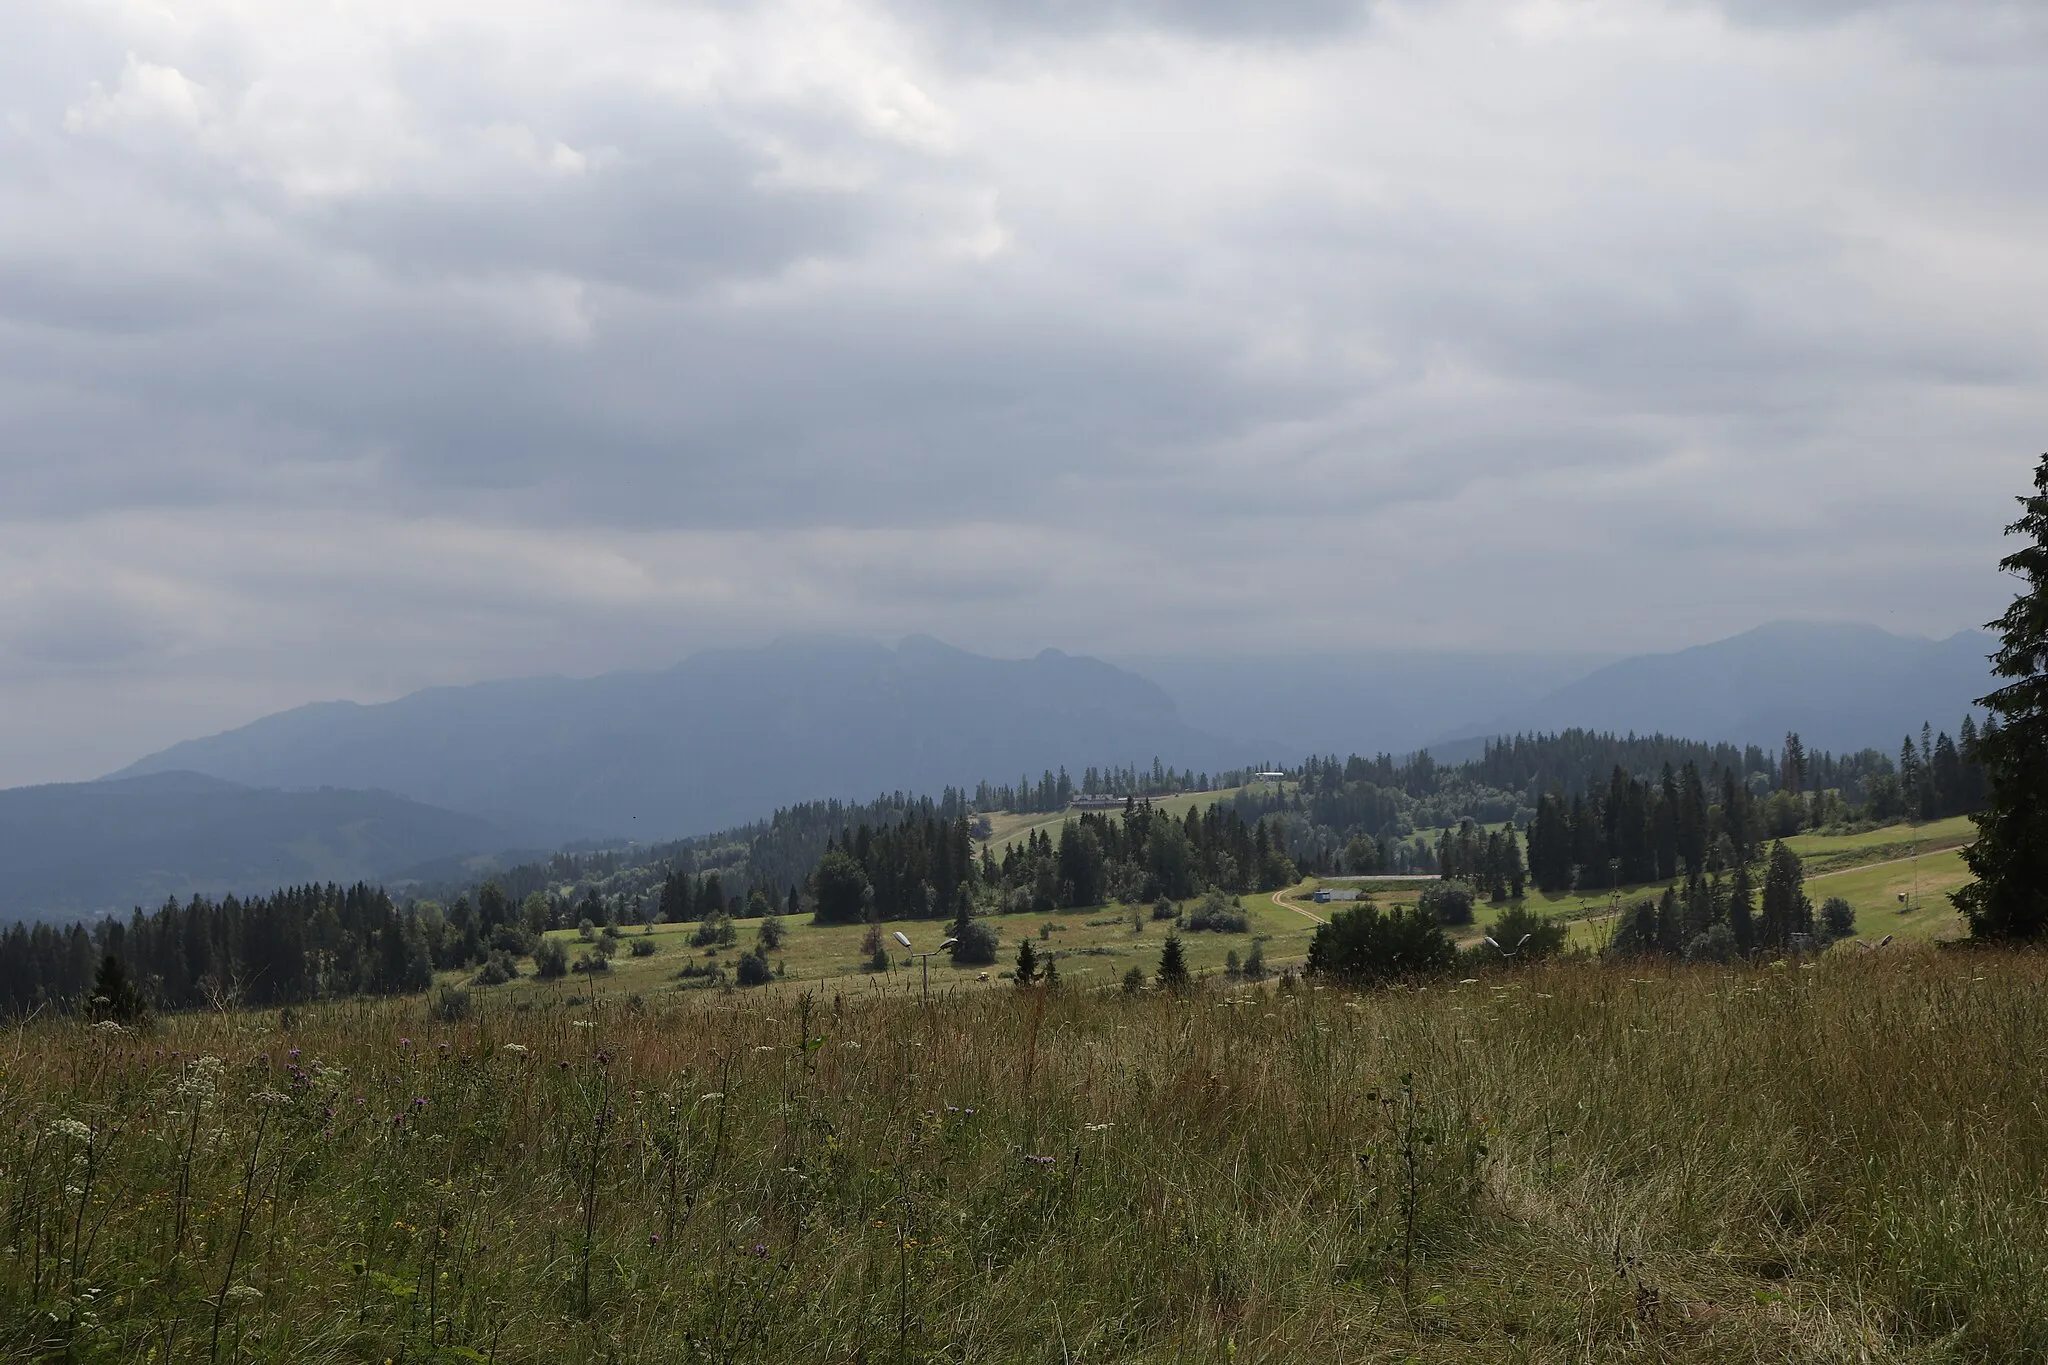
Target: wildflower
(108, 1026)
(654, 1239)
(74, 1129)
(712, 1095)
(405, 1042)
(516, 1049)
(243, 1294)
(1098, 1127)
(760, 1249)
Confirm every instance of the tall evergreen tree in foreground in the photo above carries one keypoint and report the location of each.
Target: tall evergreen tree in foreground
(2009, 899)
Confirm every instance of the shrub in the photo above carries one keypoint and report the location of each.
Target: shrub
(1232, 968)
(1368, 945)
(1165, 909)
(1837, 918)
(594, 963)
(1716, 943)
(753, 969)
(1217, 913)
(878, 961)
(1255, 962)
(769, 935)
(611, 931)
(1134, 980)
(1447, 903)
(1026, 970)
(586, 929)
(977, 945)
(451, 1004)
(499, 968)
(550, 959)
(643, 947)
(511, 939)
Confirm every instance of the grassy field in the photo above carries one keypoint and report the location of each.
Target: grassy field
(1007, 827)
(1835, 1163)
(1092, 947)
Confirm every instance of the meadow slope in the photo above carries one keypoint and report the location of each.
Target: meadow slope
(1834, 1162)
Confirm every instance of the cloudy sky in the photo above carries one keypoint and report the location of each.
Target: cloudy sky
(349, 348)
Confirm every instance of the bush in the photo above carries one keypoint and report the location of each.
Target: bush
(643, 947)
(1366, 945)
(1716, 943)
(511, 939)
(1255, 963)
(753, 969)
(1165, 909)
(1218, 914)
(769, 935)
(1521, 935)
(1134, 980)
(586, 929)
(977, 946)
(1837, 918)
(451, 1005)
(1447, 903)
(594, 963)
(499, 968)
(550, 959)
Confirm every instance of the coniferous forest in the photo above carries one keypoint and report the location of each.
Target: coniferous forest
(1573, 811)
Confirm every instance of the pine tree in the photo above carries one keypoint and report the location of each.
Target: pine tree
(1173, 964)
(1027, 963)
(1741, 911)
(2009, 899)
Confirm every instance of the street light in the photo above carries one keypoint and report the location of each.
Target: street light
(925, 960)
(1509, 953)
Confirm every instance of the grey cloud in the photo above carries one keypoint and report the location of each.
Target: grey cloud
(1224, 19)
(538, 355)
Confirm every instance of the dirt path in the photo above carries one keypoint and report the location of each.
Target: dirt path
(1280, 899)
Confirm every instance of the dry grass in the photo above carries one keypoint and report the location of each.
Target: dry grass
(1841, 1163)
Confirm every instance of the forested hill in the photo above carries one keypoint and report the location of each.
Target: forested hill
(718, 739)
(87, 847)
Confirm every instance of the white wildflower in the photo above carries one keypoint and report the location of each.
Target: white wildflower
(516, 1049)
(243, 1294)
(72, 1128)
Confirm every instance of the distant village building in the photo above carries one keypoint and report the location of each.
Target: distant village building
(1096, 801)
(1324, 895)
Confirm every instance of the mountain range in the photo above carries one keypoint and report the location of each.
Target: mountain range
(337, 790)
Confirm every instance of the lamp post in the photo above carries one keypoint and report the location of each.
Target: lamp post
(1509, 953)
(925, 960)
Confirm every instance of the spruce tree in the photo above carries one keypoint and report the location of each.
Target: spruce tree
(2009, 899)
(1173, 964)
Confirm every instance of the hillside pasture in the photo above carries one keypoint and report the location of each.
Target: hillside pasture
(1566, 1162)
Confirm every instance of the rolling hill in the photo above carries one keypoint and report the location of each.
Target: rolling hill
(85, 847)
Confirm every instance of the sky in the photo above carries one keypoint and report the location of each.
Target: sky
(352, 348)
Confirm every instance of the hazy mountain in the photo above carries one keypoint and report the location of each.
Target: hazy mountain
(1842, 687)
(722, 737)
(82, 847)
(1363, 702)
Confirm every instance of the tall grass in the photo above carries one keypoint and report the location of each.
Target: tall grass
(1846, 1162)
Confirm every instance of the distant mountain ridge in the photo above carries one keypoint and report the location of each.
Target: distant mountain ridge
(723, 737)
(1840, 686)
(85, 847)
